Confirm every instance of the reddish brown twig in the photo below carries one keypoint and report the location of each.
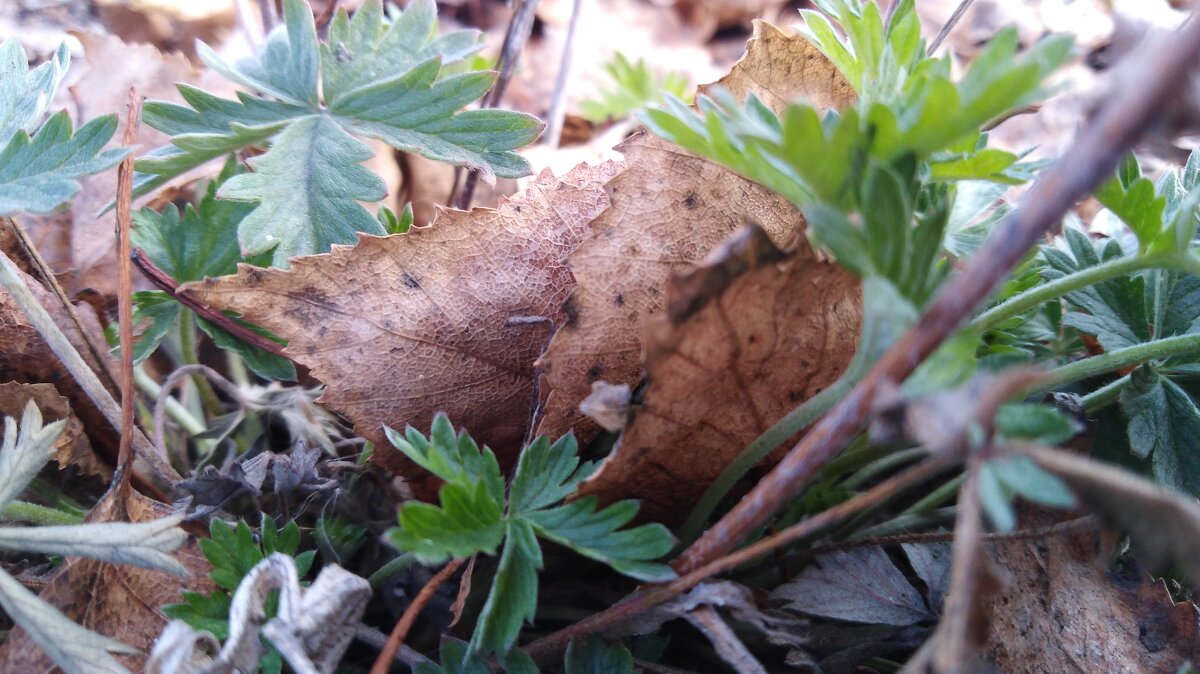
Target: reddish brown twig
(648, 598)
(163, 281)
(1090, 160)
(400, 631)
(125, 288)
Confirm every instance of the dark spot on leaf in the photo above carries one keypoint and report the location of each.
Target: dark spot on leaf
(572, 313)
(691, 200)
(794, 396)
(619, 300)
(411, 281)
(594, 372)
(753, 339)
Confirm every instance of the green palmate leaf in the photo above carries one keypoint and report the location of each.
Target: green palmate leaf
(469, 521)
(310, 177)
(473, 516)
(1164, 424)
(1039, 423)
(546, 474)
(157, 314)
(40, 173)
(200, 243)
(379, 77)
(634, 88)
(25, 94)
(40, 164)
(1133, 199)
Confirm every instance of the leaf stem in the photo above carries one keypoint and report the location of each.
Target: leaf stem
(387, 571)
(1105, 395)
(190, 356)
(1115, 360)
(1035, 297)
(32, 513)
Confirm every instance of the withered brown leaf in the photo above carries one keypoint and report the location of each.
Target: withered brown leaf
(669, 209)
(449, 318)
(780, 67)
(1065, 610)
(119, 601)
(746, 336)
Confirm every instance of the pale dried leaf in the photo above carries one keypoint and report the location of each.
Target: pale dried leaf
(118, 601)
(757, 331)
(449, 318)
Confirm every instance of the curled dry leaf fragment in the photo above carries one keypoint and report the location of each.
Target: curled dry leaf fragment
(449, 318)
(669, 209)
(756, 331)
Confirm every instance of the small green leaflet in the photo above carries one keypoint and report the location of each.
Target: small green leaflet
(378, 77)
(1003, 478)
(1163, 216)
(40, 163)
(232, 551)
(473, 517)
(201, 242)
(634, 88)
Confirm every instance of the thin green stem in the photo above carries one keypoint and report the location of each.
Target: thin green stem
(1035, 297)
(794, 422)
(935, 498)
(1105, 395)
(884, 464)
(175, 409)
(1115, 360)
(32, 513)
(190, 356)
(391, 569)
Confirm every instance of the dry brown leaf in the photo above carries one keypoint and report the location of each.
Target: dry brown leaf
(1064, 611)
(72, 447)
(669, 209)
(779, 67)
(754, 329)
(119, 601)
(449, 318)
